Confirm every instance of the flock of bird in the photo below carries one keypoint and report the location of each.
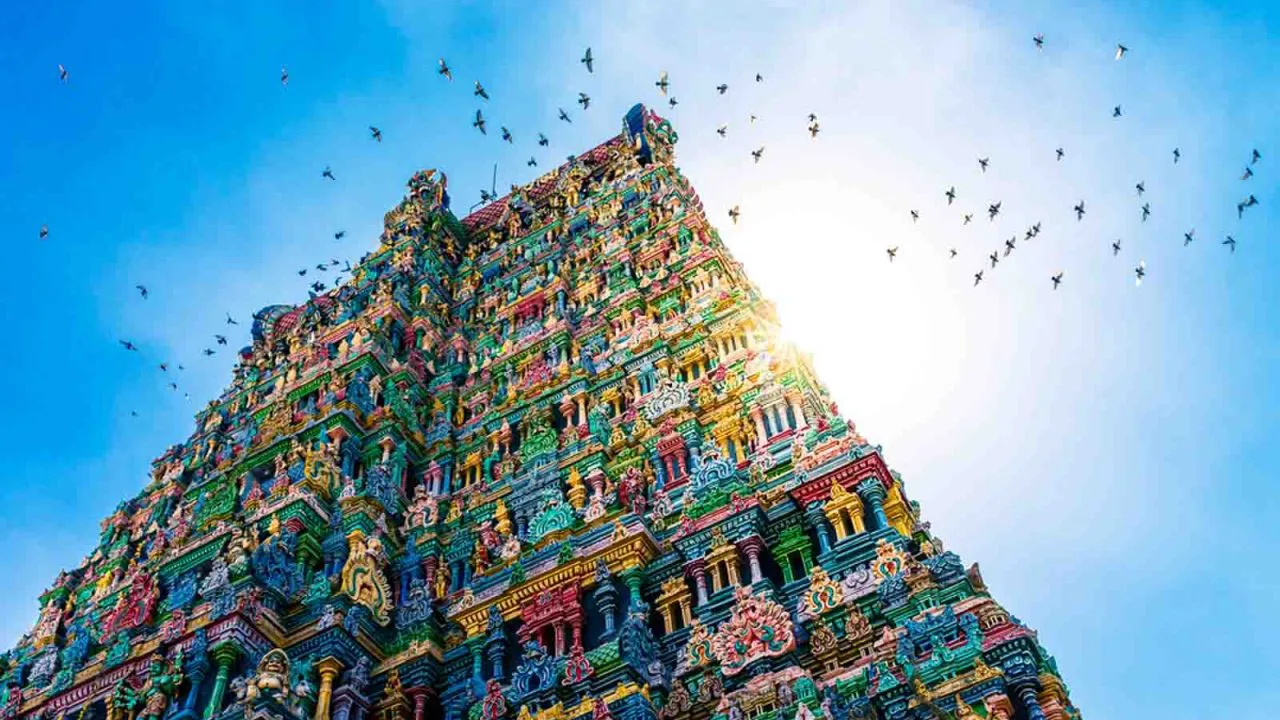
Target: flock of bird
(1139, 271)
(663, 85)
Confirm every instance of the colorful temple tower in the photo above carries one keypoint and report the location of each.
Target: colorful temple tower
(548, 462)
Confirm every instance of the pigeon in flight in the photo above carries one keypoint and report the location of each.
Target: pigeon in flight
(722, 130)
(759, 77)
(662, 83)
(480, 91)
(375, 133)
(1079, 208)
(1115, 248)
(1231, 243)
(733, 214)
(814, 129)
(63, 75)
(951, 195)
(542, 140)
(284, 76)
(673, 102)
(1141, 188)
(1009, 245)
(302, 272)
(1060, 153)
(207, 352)
(142, 290)
(722, 88)
(1140, 272)
(445, 71)
(752, 119)
(328, 173)
(1177, 155)
(129, 346)
(954, 252)
(506, 134)
(133, 413)
(995, 258)
(1039, 41)
(532, 162)
(588, 61)
(584, 100)
(758, 153)
(479, 123)
(164, 367)
(1188, 237)
(1246, 203)
(231, 320)
(486, 196)
(340, 234)
(565, 116)
(893, 252)
(982, 162)
(221, 339)
(1256, 156)
(44, 231)
(968, 218)
(1248, 173)
(322, 267)
(1116, 112)
(1146, 211)
(915, 216)
(1120, 51)
(992, 211)
(977, 278)
(173, 386)
(1057, 280)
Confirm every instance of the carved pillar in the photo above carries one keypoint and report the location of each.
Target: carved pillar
(224, 654)
(872, 494)
(797, 409)
(762, 436)
(819, 522)
(698, 570)
(1030, 703)
(328, 669)
(197, 668)
(419, 696)
(606, 597)
(633, 578)
(751, 547)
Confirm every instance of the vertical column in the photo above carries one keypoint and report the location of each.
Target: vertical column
(872, 494)
(328, 669)
(197, 668)
(762, 435)
(224, 654)
(633, 578)
(797, 409)
(751, 547)
(698, 569)
(819, 522)
(1030, 703)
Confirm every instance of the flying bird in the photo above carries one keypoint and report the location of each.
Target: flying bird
(375, 133)
(328, 173)
(759, 77)
(584, 100)
(1060, 153)
(992, 211)
(480, 91)
(893, 252)
(532, 162)
(1177, 155)
(758, 153)
(1188, 237)
(722, 88)
(1248, 173)
(1079, 208)
(1146, 211)
(63, 75)
(44, 231)
(1115, 248)
(733, 214)
(207, 352)
(479, 123)
(1231, 243)
(1009, 245)
(1057, 280)
(1246, 203)
(221, 339)
(588, 61)
(1141, 188)
(954, 252)
(977, 278)
(506, 134)
(1120, 51)
(142, 290)
(445, 71)
(951, 195)
(982, 162)
(284, 76)
(129, 346)
(813, 130)
(673, 102)
(565, 116)
(1116, 112)
(164, 367)
(133, 413)
(486, 196)
(1039, 41)
(173, 386)
(722, 130)
(1140, 272)
(915, 216)
(968, 218)
(752, 119)
(542, 140)
(995, 258)
(231, 320)
(302, 272)
(340, 234)
(662, 83)
(1256, 156)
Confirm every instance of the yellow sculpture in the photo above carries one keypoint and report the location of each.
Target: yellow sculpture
(363, 579)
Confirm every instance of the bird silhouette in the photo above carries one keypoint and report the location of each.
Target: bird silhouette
(1248, 173)
(968, 218)
(63, 75)
(722, 131)
(231, 320)
(207, 352)
(1140, 273)
(915, 216)
(142, 290)
(506, 135)
(733, 214)
(954, 252)
(284, 76)
(1188, 237)
(759, 77)
(375, 133)
(977, 278)
(532, 162)
(1146, 211)
(893, 252)
(129, 346)
(662, 83)
(565, 116)
(983, 162)
(584, 100)
(1060, 153)
(479, 123)
(814, 129)
(1116, 112)
(992, 211)
(173, 386)
(302, 272)
(1009, 245)
(752, 119)
(758, 153)
(44, 231)
(1231, 243)
(340, 234)
(328, 173)
(588, 61)
(995, 258)
(1115, 248)
(673, 102)
(1120, 51)
(480, 91)
(221, 339)
(1079, 208)
(133, 413)
(1039, 41)
(1245, 204)
(951, 195)
(542, 140)
(1256, 157)
(722, 88)
(1177, 155)
(1057, 280)
(445, 71)
(1141, 188)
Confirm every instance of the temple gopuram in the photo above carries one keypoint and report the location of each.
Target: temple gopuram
(547, 462)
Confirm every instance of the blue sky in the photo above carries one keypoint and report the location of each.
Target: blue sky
(1106, 452)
